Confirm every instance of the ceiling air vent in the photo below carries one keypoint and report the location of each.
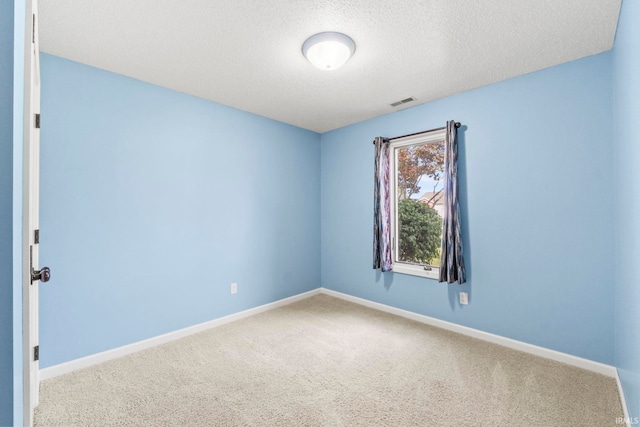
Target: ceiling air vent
(403, 101)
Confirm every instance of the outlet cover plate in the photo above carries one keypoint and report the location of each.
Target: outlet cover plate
(464, 298)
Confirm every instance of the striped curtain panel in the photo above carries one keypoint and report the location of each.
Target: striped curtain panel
(451, 260)
(381, 208)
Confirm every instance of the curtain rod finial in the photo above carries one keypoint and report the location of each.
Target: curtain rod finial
(458, 124)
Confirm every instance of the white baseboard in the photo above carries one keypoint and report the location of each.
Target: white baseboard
(623, 401)
(546, 353)
(115, 353)
(84, 362)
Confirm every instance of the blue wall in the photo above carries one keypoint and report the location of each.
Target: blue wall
(626, 73)
(153, 202)
(536, 185)
(6, 212)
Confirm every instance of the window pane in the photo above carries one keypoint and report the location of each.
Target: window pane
(420, 173)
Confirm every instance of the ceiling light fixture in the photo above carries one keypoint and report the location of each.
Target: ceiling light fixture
(328, 51)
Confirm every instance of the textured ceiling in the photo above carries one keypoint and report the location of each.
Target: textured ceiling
(247, 53)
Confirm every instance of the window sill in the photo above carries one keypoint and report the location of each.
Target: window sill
(416, 270)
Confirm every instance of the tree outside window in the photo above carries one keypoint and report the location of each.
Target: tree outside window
(420, 202)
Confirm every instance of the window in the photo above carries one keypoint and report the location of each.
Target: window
(417, 202)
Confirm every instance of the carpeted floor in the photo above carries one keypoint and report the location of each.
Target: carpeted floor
(326, 362)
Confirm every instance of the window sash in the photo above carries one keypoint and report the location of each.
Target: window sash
(436, 136)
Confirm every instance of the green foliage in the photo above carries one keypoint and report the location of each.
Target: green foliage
(419, 230)
(416, 161)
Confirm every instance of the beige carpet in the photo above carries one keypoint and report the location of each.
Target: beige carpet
(327, 362)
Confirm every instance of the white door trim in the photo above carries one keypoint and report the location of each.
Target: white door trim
(30, 176)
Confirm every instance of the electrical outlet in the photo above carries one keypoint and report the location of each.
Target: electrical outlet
(234, 288)
(464, 298)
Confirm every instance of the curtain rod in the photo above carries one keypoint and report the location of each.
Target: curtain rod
(419, 133)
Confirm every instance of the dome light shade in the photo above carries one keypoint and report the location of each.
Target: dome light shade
(328, 51)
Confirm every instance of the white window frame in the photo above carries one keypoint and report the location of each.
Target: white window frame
(434, 136)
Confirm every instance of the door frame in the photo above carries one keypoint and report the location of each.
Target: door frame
(29, 312)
